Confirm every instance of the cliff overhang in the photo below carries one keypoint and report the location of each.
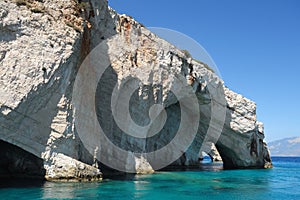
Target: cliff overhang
(42, 48)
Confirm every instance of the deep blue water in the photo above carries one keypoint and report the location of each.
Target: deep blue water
(281, 182)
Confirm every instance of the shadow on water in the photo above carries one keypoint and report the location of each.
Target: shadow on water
(21, 183)
(206, 166)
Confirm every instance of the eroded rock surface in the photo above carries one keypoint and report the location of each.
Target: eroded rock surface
(43, 43)
(39, 55)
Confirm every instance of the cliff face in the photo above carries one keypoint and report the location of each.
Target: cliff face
(52, 95)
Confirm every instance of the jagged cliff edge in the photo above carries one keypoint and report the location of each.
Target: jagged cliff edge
(43, 43)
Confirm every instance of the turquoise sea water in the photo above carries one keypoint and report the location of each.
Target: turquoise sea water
(281, 182)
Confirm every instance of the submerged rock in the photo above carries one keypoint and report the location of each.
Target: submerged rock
(42, 46)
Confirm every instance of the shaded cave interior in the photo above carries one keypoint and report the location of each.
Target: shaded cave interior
(18, 163)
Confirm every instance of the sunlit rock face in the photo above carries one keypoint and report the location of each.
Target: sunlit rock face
(42, 46)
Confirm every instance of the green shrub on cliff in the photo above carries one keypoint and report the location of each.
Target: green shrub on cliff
(205, 65)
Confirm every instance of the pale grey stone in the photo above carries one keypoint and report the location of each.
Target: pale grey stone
(37, 71)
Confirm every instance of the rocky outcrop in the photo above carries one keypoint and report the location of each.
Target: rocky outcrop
(40, 53)
(42, 47)
(244, 134)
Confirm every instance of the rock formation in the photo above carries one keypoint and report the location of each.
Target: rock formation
(42, 46)
(212, 153)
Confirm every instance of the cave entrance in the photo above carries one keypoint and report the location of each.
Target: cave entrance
(209, 162)
(205, 158)
(18, 163)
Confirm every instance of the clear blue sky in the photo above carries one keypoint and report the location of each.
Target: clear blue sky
(254, 43)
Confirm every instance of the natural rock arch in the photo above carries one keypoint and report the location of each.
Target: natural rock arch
(38, 116)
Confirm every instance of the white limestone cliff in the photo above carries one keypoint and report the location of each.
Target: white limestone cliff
(43, 43)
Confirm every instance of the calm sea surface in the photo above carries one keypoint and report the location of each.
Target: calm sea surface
(281, 182)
